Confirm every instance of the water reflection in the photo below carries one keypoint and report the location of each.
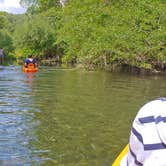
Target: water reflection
(82, 118)
(29, 78)
(87, 115)
(17, 119)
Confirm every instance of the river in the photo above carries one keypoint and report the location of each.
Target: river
(68, 117)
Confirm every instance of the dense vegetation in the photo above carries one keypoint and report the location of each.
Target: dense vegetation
(101, 33)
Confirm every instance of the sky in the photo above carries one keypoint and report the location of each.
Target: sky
(11, 6)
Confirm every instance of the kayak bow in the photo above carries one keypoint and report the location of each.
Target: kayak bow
(120, 156)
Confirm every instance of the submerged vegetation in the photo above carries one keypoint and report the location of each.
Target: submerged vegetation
(97, 33)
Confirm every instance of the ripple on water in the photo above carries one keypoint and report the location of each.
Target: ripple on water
(17, 120)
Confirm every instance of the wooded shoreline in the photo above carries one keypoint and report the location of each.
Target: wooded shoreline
(98, 34)
(114, 67)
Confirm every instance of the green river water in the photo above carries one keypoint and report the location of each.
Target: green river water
(69, 117)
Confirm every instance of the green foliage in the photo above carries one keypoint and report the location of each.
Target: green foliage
(130, 31)
(118, 31)
(82, 27)
(38, 34)
(3, 21)
(39, 5)
(47, 4)
(6, 41)
(7, 21)
(28, 3)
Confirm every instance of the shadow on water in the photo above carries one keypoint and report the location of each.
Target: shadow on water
(17, 119)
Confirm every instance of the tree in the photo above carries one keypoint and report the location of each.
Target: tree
(37, 34)
(126, 31)
(40, 5)
(28, 3)
(6, 41)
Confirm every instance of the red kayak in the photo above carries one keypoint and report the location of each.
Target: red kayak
(31, 68)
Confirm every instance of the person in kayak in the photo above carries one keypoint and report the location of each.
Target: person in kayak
(1, 56)
(30, 60)
(147, 143)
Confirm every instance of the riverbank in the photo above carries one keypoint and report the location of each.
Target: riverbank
(96, 64)
(92, 65)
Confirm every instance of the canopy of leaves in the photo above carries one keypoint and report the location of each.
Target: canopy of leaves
(39, 5)
(128, 30)
(6, 41)
(125, 31)
(37, 34)
(6, 27)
